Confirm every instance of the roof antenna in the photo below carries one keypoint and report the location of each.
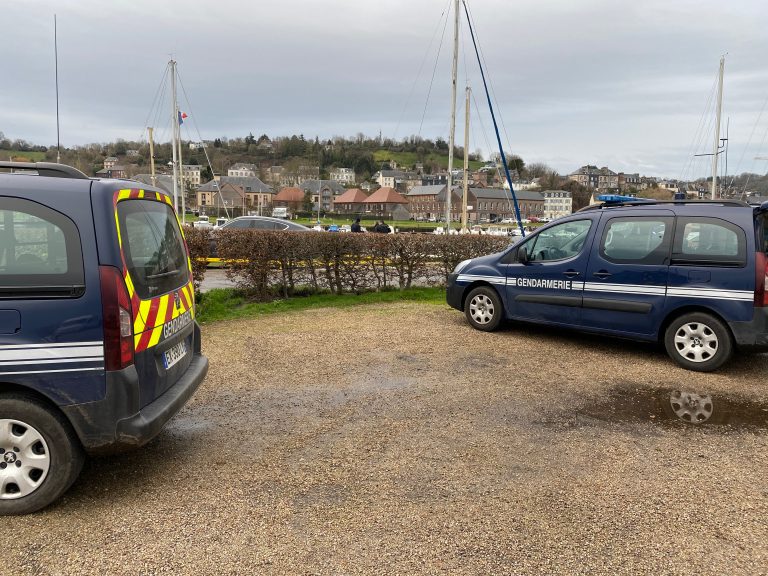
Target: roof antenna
(56, 56)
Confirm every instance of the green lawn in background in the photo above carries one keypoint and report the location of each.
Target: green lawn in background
(408, 159)
(229, 303)
(19, 156)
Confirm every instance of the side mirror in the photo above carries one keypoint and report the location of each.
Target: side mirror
(522, 255)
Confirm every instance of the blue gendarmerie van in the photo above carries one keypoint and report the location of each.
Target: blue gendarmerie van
(99, 347)
(690, 274)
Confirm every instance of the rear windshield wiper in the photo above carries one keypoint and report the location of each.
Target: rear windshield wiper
(161, 275)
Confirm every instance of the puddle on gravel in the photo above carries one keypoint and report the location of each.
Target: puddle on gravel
(667, 407)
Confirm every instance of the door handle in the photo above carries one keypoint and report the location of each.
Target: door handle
(570, 273)
(602, 274)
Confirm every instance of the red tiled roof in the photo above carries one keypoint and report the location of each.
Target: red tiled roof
(289, 195)
(386, 195)
(351, 196)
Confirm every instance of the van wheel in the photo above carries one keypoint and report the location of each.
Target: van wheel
(40, 457)
(483, 309)
(699, 342)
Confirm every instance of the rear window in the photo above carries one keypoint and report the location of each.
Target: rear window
(39, 251)
(703, 241)
(153, 247)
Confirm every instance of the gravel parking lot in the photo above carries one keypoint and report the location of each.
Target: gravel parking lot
(395, 439)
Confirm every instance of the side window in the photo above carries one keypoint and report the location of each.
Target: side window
(640, 240)
(263, 225)
(239, 224)
(559, 242)
(39, 248)
(709, 242)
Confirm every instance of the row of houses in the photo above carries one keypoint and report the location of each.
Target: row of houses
(420, 202)
(604, 180)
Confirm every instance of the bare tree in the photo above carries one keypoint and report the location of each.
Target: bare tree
(537, 170)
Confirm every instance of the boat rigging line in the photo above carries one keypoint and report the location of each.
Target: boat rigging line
(157, 116)
(205, 150)
(490, 81)
(495, 124)
(700, 136)
(421, 68)
(749, 141)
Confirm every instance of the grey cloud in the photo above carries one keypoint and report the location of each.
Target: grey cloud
(616, 83)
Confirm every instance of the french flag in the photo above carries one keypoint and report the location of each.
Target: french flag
(182, 115)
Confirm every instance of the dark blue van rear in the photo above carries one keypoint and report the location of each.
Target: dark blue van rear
(98, 343)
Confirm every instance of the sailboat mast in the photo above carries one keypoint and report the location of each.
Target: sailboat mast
(152, 154)
(175, 120)
(452, 135)
(465, 187)
(716, 145)
(182, 190)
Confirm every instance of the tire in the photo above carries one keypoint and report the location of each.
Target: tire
(49, 453)
(699, 342)
(483, 309)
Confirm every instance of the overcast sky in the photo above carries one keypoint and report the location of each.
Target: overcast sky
(617, 83)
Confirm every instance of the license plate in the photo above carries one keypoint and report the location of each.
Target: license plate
(173, 355)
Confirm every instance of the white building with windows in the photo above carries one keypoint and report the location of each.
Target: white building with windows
(190, 175)
(244, 170)
(557, 203)
(343, 175)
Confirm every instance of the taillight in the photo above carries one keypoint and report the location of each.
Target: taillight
(118, 320)
(761, 279)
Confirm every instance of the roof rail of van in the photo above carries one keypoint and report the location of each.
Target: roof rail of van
(650, 202)
(49, 169)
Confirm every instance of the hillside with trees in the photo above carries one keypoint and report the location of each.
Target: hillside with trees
(365, 155)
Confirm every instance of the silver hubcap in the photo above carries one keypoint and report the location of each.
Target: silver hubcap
(691, 407)
(481, 309)
(696, 342)
(24, 459)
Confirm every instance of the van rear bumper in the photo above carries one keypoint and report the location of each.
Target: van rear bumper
(752, 336)
(116, 423)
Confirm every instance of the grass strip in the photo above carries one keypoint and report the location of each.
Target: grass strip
(229, 303)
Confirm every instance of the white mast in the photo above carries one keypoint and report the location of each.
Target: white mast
(716, 145)
(452, 135)
(175, 120)
(152, 155)
(182, 190)
(466, 165)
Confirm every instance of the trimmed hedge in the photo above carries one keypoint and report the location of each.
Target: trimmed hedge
(199, 242)
(267, 264)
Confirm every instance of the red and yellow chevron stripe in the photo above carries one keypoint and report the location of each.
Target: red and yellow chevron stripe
(153, 314)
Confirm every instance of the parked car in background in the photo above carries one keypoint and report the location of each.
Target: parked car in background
(202, 222)
(263, 223)
(253, 223)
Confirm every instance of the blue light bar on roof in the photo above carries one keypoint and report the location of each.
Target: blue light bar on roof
(619, 199)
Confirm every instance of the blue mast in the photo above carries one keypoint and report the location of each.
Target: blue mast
(495, 125)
